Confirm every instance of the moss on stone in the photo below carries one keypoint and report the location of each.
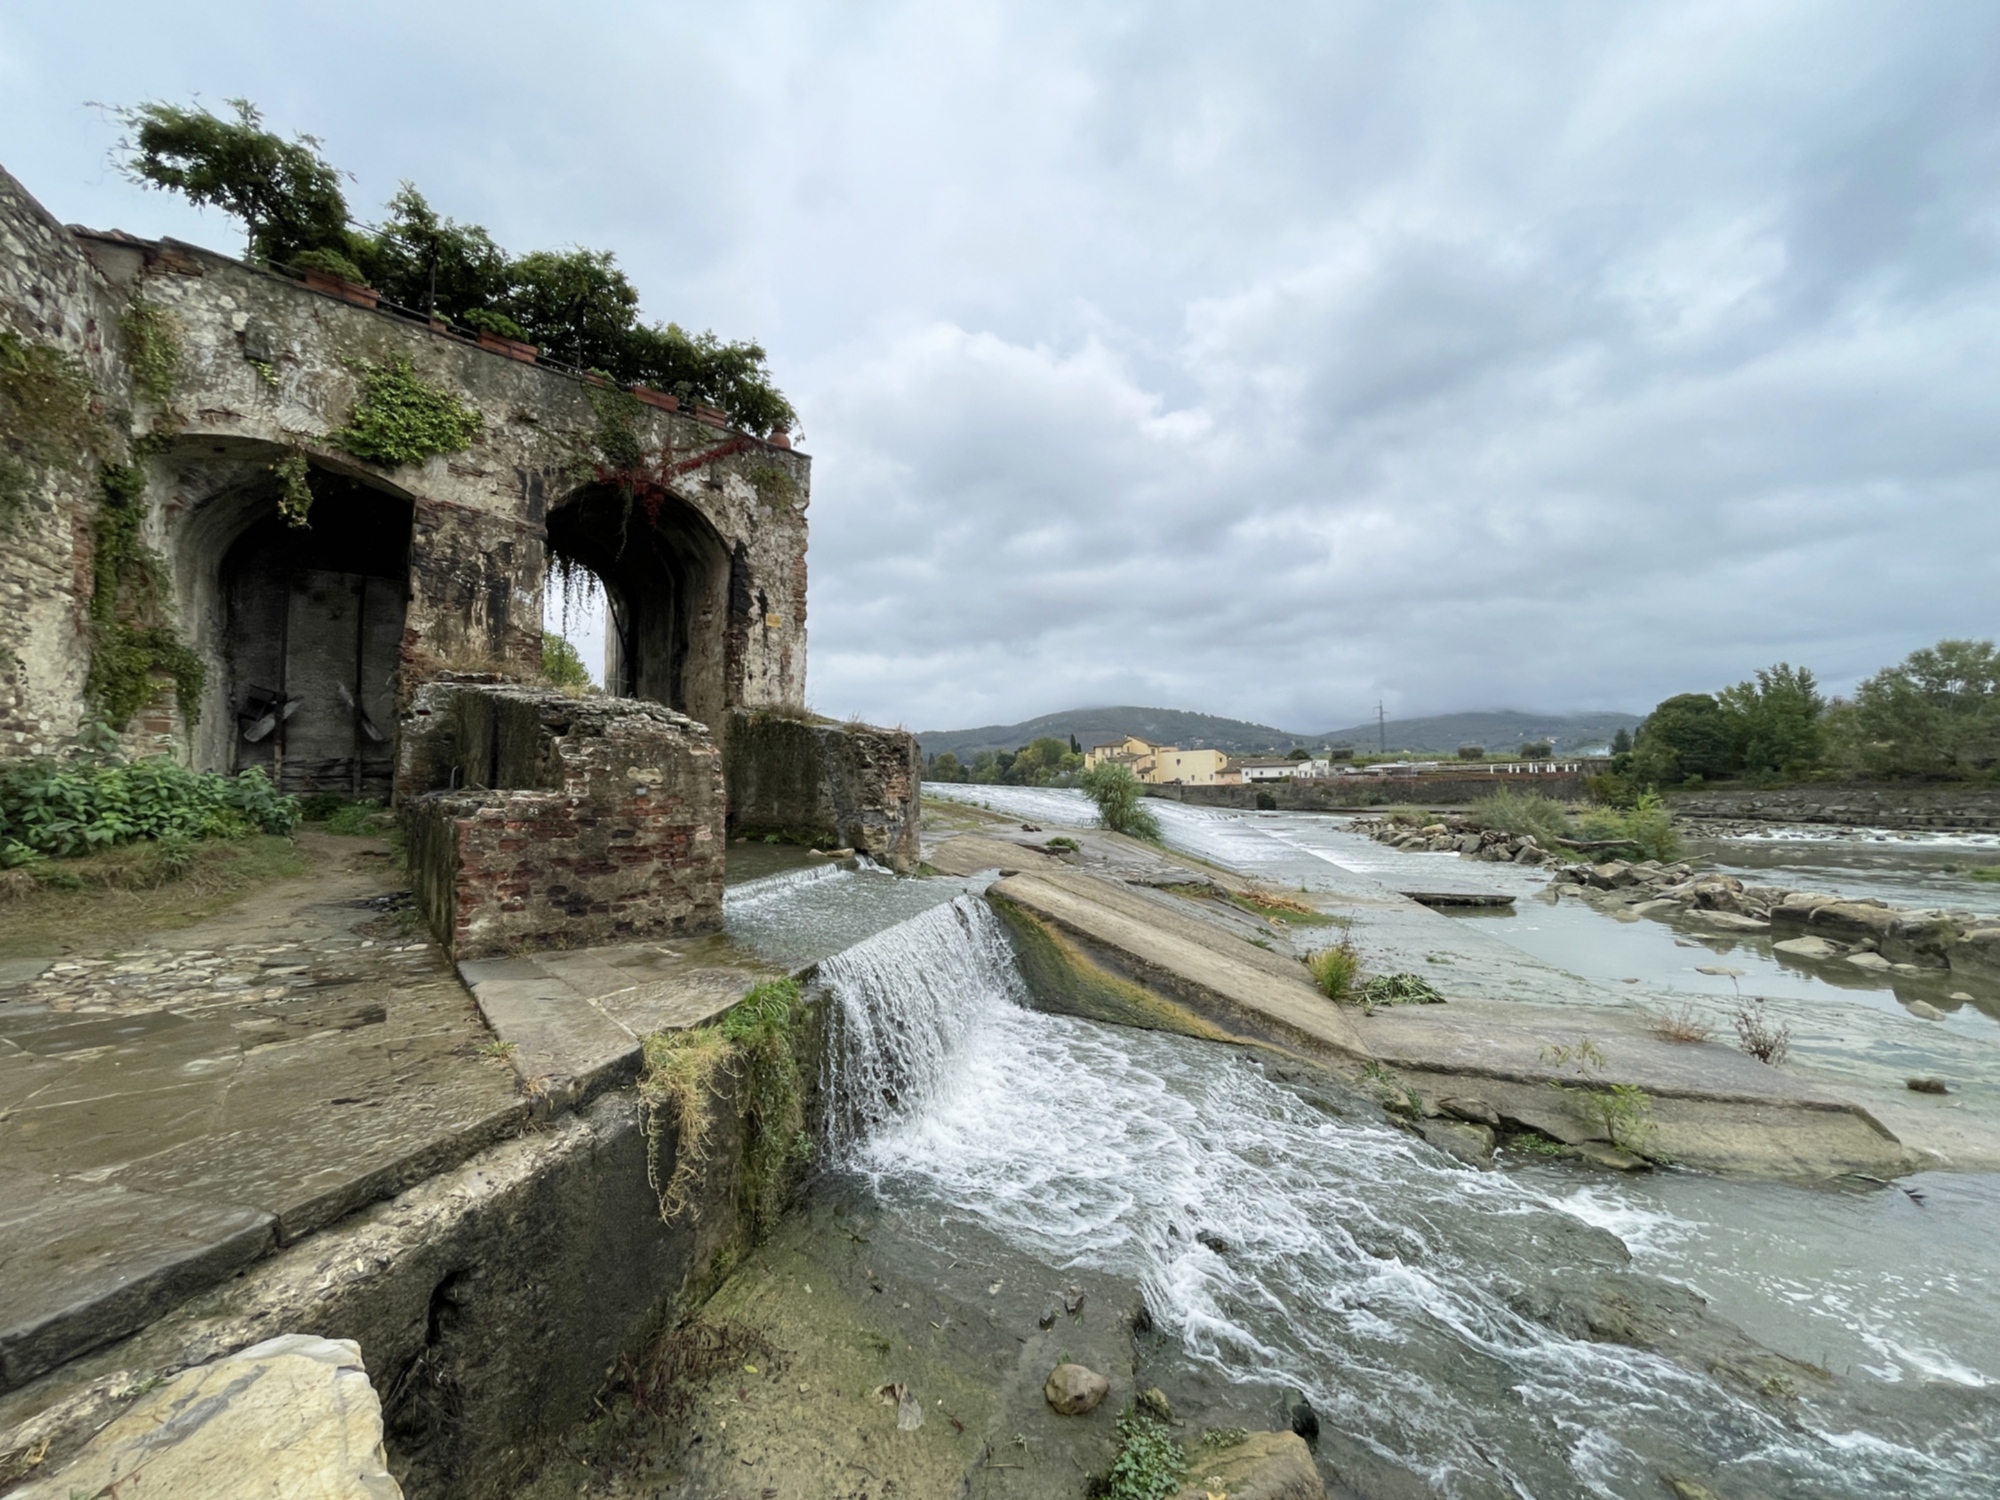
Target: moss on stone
(1063, 978)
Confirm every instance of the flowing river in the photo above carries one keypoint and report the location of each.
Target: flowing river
(1287, 1240)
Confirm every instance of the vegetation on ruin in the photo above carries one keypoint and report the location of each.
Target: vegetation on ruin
(295, 496)
(400, 419)
(69, 807)
(753, 1045)
(1118, 795)
(578, 305)
(46, 419)
(152, 350)
(131, 643)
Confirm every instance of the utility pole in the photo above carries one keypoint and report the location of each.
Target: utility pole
(1381, 728)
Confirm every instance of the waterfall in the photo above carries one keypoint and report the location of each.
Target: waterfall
(769, 887)
(904, 1002)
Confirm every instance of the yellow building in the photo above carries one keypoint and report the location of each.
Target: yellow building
(1159, 765)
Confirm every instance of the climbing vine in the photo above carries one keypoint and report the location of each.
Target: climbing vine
(153, 350)
(45, 417)
(401, 420)
(295, 496)
(130, 643)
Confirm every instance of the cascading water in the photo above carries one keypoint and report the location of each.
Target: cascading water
(905, 1001)
(1285, 1244)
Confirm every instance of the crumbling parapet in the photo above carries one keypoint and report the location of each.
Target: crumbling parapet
(536, 820)
(817, 781)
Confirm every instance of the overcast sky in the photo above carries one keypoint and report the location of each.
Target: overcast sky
(1259, 360)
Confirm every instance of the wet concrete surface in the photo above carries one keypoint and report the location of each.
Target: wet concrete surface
(172, 1111)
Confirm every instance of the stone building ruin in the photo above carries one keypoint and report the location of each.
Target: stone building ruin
(324, 648)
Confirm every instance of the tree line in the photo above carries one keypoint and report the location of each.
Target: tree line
(1935, 714)
(1047, 761)
(576, 304)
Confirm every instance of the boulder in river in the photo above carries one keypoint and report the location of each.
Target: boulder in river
(1073, 1390)
(1262, 1466)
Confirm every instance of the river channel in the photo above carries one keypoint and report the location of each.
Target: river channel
(1284, 1243)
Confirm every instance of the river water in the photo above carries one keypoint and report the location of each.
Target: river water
(1286, 1243)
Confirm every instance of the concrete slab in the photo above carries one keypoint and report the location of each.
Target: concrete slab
(85, 1263)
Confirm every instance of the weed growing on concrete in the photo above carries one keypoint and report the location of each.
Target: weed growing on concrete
(751, 1044)
(1757, 1036)
(1335, 969)
(1682, 1025)
(1149, 1464)
(402, 420)
(664, 1381)
(1622, 1110)
(1399, 989)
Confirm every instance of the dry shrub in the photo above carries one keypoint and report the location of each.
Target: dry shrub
(664, 1380)
(1682, 1025)
(1758, 1037)
(1335, 969)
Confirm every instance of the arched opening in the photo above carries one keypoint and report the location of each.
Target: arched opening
(665, 576)
(311, 635)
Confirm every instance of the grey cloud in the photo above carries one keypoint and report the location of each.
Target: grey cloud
(1557, 356)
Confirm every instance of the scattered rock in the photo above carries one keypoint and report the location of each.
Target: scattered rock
(1808, 947)
(1601, 1154)
(1730, 921)
(1873, 962)
(1154, 1403)
(1926, 1086)
(1073, 1390)
(1476, 1111)
(1960, 996)
(1683, 1488)
(1923, 1010)
(1264, 1466)
(1300, 1416)
(1470, 1143)
(294, 1415)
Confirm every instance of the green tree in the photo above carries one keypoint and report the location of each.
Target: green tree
(1536, 750)
(561, 666)
(435, 264)
(1936, 713)
(732, 377)
(945, 767)
(1777, 721)
(1686, 736)
(576, 304)
(1039, 762)
(286, 195)
(1118, 795)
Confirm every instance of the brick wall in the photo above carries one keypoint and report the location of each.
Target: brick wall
(537, 820)
(850, 785)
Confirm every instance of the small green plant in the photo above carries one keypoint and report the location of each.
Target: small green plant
(1065, 843)
(354, 818)
(498, 1051)
(329, 263)
(1149, 1464)
(561, 666)
(486, 320)
(1581, 1056)
(295, 496)
(152, 349)
(402, 420)
(265, 372)
(1536, 1144)
(1335, 969)
(1216, 1439)
(1118, 794)
(1991, 872)
(66, 808)
(1622, 1110)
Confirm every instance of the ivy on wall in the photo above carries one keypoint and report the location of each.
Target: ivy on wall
(46, 420)
(130, 641)
(402, 420)
(295, 496)
(152, 350)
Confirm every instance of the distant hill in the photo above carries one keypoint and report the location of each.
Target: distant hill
(1501, 732)
(1090, 726)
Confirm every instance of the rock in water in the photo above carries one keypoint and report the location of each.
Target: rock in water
(294, 1415)
(1073, 1390)
(1301, 1417)
(1922, 1010)
(1926, 1086)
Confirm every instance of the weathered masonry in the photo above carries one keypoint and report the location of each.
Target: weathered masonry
(166, 542)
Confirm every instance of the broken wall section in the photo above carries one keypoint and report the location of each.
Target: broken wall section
(537, 820)
(814, 781)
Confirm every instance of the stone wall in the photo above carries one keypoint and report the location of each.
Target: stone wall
(1874, 804)
(840, 785)
(1334, 793)
(267, 368)
(534, 819)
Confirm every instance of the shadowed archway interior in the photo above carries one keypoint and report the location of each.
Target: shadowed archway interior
(665, 574)
(314, 621)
